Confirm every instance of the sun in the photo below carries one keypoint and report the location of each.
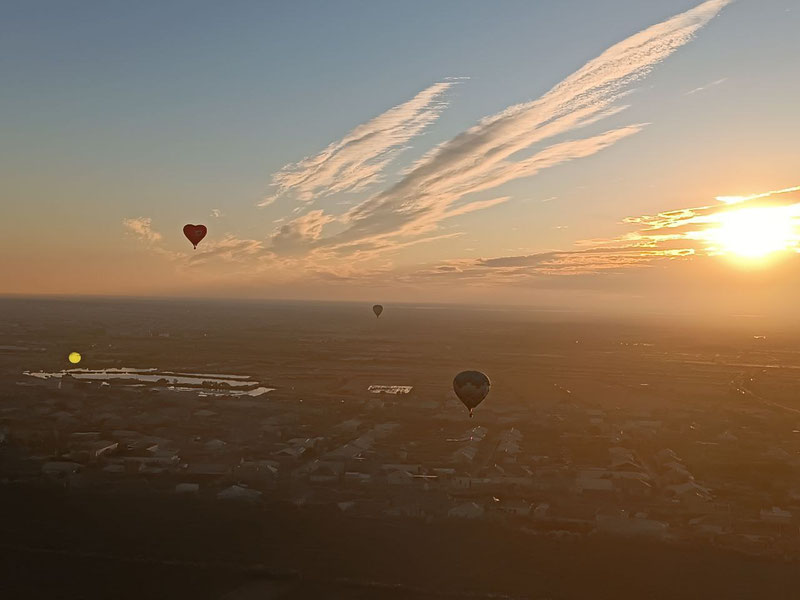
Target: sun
(753, 233)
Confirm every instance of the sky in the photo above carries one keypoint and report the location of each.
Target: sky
(626, 154)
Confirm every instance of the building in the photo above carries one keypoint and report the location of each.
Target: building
(187, 488)
(623, 525)
(468, 510)
(326, 472)
(514, 507)
(400, 478)
(776, 515)
(239, 493)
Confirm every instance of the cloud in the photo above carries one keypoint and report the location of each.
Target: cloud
(455, 178)
(216, 213)
(359, 158)
(681, 235)
(228, 249)
(482, 157)
(142, 228)
(296, 235)
(706, 86)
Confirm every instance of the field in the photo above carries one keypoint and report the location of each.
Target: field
(573, 385)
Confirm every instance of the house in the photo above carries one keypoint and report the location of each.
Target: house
(307, 443)
(160, 459)
(623, 525)
(400, 478)
(187, 488)
(476, 433)
(637, 487)
(239, 493)
(691, 495)
(100, 448)
(676, 473)
(465, 455)
(461, 482)
(443, 472)
(356, 477)
(84, 436)
(205, 473)
(666, 456)
(468, 510)
(541, 511)
(347, 427)
(351, 450)
(290, 452)
(365, 442)
(776, 515)
(513, 507)
(214, 445)
(712, 525)
(512, 434)
(326, 472)
(409, 509)
(594, 486)
(414, 469)
(256, 473)
(60, 469)
(508, 447)
(621, 453)
(204, 412)
(626, 465)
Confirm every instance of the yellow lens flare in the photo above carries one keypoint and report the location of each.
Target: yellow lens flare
(752, 233)
(74, 358)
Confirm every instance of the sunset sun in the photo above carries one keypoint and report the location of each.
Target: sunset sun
(753, 233)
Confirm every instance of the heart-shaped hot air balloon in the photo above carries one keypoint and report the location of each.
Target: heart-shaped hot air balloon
(195, 233)
(471, 387)
(377, 309)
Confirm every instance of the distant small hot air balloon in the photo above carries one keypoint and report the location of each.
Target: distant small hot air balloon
(195, 233)
(471, 387)
(74, 358)
(377, 309)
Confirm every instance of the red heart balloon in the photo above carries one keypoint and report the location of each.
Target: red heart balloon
(195, 233)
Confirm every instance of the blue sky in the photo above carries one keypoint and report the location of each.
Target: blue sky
(165, 111)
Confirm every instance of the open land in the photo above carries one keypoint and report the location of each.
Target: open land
(642, 458)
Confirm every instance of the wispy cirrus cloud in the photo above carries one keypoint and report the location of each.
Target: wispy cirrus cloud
(482, 157)
(702, 88)
(449, 180)
(299, 233)
(228, 248)
(142, 228)
(683, 235)
(359, 158)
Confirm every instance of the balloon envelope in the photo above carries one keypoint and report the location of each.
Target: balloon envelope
(195, 233)
(471, 387)
(74, 358)
(377, 309)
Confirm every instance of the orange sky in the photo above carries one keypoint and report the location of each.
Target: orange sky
(588, 184)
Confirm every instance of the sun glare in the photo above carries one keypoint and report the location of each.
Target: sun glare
(753, 233)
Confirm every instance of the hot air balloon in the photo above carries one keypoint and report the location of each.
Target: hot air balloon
(377, 309)
(471, 387)
(195, 233)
